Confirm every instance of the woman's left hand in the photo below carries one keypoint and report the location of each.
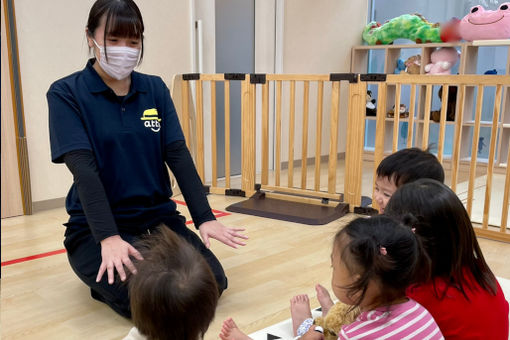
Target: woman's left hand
(229, 236)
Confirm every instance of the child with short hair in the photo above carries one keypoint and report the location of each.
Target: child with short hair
(374, 260)
(172, 280)
(401, 167)
(462, 294)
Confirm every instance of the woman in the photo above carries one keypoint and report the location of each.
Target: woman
(115, 129)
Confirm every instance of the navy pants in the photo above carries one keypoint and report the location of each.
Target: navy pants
(84, 255)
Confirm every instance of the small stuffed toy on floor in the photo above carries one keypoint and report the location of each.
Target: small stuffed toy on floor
(442, 61)
(338, 316)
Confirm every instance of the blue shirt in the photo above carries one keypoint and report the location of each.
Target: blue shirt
(127, 136)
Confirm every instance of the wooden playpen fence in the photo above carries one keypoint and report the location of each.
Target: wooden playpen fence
(256, 107)
(389, 91)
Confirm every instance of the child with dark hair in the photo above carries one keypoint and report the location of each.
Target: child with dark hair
(462, 294)
(402, 167)
(172, 280)
(374, 260)
(397, 169)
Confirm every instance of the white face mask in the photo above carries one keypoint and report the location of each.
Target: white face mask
(121, 60)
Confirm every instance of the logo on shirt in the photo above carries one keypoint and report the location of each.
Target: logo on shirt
(150, 119)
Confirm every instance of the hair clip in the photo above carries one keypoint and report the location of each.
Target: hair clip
(413, 229)
(383, 251)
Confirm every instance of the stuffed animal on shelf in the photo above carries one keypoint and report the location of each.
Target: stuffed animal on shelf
(403, 113)
(409, 26)
(481, 24)
(413, 64)
(442, 61)
(401, 66)
(338, 316)
(450, 105)
(371, 110)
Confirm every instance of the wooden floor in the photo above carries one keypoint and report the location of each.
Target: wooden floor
(43, 299)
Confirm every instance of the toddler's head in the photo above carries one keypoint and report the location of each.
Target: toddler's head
(402, 167)
(174, 294)
(374, 260)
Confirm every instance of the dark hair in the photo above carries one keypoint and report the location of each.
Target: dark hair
(363, 255)
(123, 19)
(408, 165)
(443, 225)
(174, 294)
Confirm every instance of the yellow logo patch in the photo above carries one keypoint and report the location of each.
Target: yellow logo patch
(151, 120)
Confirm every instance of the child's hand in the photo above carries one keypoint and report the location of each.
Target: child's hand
(312, 334)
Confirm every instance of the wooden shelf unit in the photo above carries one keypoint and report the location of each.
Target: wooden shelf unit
(467, 65)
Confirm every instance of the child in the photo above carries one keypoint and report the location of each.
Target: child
(462, 295)
(401, 167)
(374, 260)
(174, 293)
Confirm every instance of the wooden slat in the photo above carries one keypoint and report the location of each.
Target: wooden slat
(199, 157)
(396, 120)
(253, 116)
(442, 123)
(493, 235)
(265, 133)
(333, 136)
(185, 111)
(451, 79)
(474, 149)
(304, 143)
(459, 118)
(506, 202)
(290, 168)
(298, 77)
(213, 136)
(426, 118)
(227, 133)
(379, 133)
(492, 155)
(318, 134)
(354, 145)
(304, 192)
(212, 77)
(248, 141)
(278, 132)
(412, 109)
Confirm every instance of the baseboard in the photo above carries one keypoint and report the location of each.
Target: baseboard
(48, 204)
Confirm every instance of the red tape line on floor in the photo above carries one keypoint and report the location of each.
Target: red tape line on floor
(217, 214)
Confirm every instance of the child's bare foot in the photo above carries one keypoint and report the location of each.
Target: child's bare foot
(324, 299)
(299, 310)
(229, 331)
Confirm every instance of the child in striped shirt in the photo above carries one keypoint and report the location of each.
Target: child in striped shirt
(374, 260)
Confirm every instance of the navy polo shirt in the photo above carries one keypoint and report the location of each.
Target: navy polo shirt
(127, 136)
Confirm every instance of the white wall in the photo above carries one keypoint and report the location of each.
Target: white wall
(52, 44)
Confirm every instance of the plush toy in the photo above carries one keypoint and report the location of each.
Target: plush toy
(442, 60)
(370, 106)
(403, 113)
(480, 24)
(401, 66)
(413, 64)
(450, 105)
(408, 26)
(338, 316)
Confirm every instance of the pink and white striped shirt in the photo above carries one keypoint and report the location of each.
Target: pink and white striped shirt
(408, 320)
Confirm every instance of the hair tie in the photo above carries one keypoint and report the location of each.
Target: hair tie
(413, 229)
(383, 251)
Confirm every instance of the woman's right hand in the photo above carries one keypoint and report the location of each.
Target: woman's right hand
(115, 253)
